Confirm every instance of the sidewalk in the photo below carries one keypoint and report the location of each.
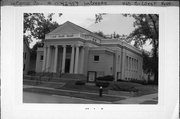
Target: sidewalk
(151, 98)
(82, 92)
(146, 99)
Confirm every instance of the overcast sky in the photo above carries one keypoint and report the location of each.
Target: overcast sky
(111, 23)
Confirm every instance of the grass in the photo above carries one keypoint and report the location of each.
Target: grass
(139, 89)
(85, 88)
(149, 102)
(74, 94)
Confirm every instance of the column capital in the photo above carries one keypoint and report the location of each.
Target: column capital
(47, 46)
(64, 45)
(77, 45)
(55, 46)
(72, 45)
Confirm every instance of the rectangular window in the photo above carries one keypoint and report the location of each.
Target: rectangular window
(130, 63)
(96, 58)
(127, 62)
(41, 58)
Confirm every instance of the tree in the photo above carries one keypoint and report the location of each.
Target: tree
(101, 34)
(146, 28)
(36, 25)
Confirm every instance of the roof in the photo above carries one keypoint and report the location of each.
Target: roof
(69, 27)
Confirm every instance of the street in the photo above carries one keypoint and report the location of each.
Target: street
(43, 98)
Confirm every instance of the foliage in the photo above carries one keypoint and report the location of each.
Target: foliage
(36, 25)
(34, 49)
(104, 84)
(146, 28)
(105, 78)
(124, 86)
(79, 83)
(101, 34)
(31, 73)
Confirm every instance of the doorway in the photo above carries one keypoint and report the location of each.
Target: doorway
(67, 65)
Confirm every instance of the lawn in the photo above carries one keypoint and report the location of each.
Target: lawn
(74, 94)
(138, 89)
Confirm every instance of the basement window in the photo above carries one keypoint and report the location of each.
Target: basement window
(96, 58)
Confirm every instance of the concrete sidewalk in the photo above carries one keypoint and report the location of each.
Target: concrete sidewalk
(82, 92)
(139, 100)
(152, 98)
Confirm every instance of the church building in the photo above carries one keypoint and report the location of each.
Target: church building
(71, 49)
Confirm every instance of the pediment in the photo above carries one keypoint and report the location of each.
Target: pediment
(67, 28)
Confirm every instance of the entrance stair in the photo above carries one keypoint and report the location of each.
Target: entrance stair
(74, 76)
(51, 76)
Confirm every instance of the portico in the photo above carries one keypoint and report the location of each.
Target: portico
(63, 58)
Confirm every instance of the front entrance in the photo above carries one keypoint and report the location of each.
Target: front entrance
(67, 65)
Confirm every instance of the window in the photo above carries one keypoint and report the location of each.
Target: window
(41, 58)
(96, 58)
(127, 62)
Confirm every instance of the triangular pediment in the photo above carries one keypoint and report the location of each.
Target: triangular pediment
(67, 28)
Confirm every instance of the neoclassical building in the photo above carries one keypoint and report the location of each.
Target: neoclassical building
(71, 49)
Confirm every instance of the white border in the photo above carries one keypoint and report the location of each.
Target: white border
(12, 33)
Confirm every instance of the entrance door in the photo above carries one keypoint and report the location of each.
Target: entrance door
(67, 65)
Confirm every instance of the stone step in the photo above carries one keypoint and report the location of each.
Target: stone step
(56, 76)
(74, 76)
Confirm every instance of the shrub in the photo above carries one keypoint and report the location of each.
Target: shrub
(102, 83)
(79, 83)
(105, 78)
(123, 87)
(31, 73)
(143, 82)
(120, 80)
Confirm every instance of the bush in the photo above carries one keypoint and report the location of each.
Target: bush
(101, 83)
(143, 82)
(105, 78)
(123, 87)
(31, 73)
(120, 80)
(79, 83)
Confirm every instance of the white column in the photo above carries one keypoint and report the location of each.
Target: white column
(76, 60)
(82, 60)
(72, 60)
(48, 59)
(55, 58)
(44, 60)
(64, 58)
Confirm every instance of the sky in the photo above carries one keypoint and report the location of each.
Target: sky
(111, 23)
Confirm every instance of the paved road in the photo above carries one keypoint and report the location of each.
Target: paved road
(43, 98)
